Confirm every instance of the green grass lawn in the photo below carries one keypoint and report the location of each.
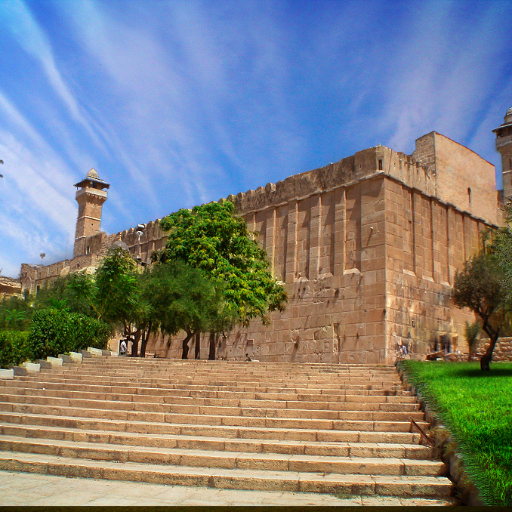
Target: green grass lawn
(476, 406)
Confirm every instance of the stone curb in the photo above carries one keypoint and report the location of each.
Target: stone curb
(7, 374)
(33, 367)
(443, 440)
(76, 357)
(45, 365)
(20, 370)
(55, 361)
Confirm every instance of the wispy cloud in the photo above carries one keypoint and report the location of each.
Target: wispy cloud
(179, 103)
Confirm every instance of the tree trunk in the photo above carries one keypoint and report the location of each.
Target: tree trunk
(145, 337)
(485, 361)
(184, 354)
(211, 355)
(135, 343)
(198, 346)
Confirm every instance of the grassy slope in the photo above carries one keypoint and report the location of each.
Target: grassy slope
(477, 408)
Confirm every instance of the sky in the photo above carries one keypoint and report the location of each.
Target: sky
(180, 102)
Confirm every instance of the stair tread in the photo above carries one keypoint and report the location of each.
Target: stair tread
(226, 471)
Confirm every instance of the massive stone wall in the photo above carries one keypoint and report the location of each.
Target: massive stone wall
(367, 249)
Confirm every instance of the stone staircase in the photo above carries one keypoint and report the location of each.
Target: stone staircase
(233, 425)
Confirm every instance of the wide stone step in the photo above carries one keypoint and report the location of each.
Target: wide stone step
(231, 385)
(263, 401)
(282, 446)
(155, 394)
(225, 459)
(331, 428)
(226, 378)
(187, 429)
(242, 411)
(407, 486)
(215, 392)
(211, 419)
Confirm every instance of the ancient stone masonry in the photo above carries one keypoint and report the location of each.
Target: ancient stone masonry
(9, 287)
(504, 146)
(367, 249)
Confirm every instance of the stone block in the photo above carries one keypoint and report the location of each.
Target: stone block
(85, 354)
(76, 357)
(66, 358)
(20, 370)
(32, 367)
(45, 365)
(6, 374)
(55, 361)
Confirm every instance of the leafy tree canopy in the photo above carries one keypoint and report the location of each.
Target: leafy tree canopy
(480, 287)
(211, 238)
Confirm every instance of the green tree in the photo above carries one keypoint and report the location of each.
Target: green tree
(480, 287)
(15, 313)
(181, 298)
(212, 238)
(471, 332)
(501, 245)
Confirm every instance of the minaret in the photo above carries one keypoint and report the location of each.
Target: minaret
(504, 146)
(90, 197)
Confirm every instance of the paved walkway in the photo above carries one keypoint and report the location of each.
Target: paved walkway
(32, 489)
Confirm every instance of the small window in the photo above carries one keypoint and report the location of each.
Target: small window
(380, 164)
(469, 195)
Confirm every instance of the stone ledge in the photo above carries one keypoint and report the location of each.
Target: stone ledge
(55, 361)
(76, 357)
(32, 367)
(45, 365)
(449, 448)
(7, 374)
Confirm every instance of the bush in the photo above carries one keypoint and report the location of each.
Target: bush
(14, 348)
(53, 332)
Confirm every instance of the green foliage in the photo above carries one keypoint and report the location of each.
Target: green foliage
(14, 348)
(477, 409)
(211, 238)
(180, 298)
(15, 314)
(116, 296)
(471, 333)
(54, 331)
(501, 245)
(479, 287)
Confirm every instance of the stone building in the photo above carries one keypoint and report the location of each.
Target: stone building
(9, 287)
(367, 248)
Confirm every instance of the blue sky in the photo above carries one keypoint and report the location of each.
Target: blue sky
(177, 103)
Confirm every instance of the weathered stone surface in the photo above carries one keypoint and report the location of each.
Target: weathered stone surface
(367, 248)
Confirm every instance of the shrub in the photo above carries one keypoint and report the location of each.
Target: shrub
(14, 348)
(53, 332)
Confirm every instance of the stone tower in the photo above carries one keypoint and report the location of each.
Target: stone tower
(504, 146)
(91, 195)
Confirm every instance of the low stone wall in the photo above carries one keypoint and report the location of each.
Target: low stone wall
(502, 350)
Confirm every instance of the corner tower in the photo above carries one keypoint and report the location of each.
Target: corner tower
(504, 146)
(91, 195)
